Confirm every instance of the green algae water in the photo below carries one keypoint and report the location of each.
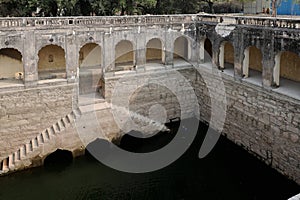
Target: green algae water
(228, 172)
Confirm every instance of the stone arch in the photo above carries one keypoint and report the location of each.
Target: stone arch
(52, 62)
(182, 48)
(226, 55)
(252, 61)
(154, 51)
(90, 55)
(11, 64)
(287, 65)
(90, 68)
(205, 50)
(124, 55)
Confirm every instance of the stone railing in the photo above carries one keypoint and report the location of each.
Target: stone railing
(268, 22)
(94, 21)
(40, 22)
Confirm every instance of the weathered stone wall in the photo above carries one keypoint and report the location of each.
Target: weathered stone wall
(144, 90)
(264, 123)
(25, 113)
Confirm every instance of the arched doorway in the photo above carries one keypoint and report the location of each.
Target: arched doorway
(52, 63)
(90, 56)
(252, 64)
(90, 69)
(288, 66)
(154, 53)
(181, 48)
(226, 56)
(124, 55)
(11, 66)
(205, 50)
(287, 73)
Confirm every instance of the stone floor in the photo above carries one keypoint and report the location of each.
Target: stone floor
(10, 83)
(289, 88)
(92, 98)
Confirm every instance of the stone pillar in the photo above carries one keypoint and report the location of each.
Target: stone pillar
(276, 71)
(245, 70)
(268, 71)
(140, 51)
(169, 48)
(268, 62)
(72, 57)
(267, 74)
(221, 56)
(201, 51)
(215, 55)
(194, 51)
(271, 62)
(238, 44)
(108, 53)
(193, 46)
(30, 60)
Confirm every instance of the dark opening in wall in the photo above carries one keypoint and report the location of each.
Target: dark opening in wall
(58, 159)
(208, 50)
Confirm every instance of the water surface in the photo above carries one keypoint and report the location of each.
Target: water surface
(228, 172)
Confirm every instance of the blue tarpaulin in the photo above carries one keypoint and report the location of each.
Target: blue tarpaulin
(288, 7)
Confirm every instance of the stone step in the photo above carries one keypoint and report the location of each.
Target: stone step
(65, 122)
(51, 132)
(17, 155)
(60, 125)
(45, 135)
(5, 165)
(70, 118)
(22, 151)
(91, 100)
(55, 128)
(76, 113)
(28, 147)
(94, 107)
(40, 139)
(11, 160)
(34, 143)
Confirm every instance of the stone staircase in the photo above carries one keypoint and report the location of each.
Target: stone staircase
(31, 149)
(149, 125)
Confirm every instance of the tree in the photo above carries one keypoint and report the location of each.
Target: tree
(210, 4)
(17, 7)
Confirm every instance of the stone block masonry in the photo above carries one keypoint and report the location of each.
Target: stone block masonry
(258, 118)
(264, 123)
(24, 113)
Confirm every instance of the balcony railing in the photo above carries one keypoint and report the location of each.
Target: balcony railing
(40, 22)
